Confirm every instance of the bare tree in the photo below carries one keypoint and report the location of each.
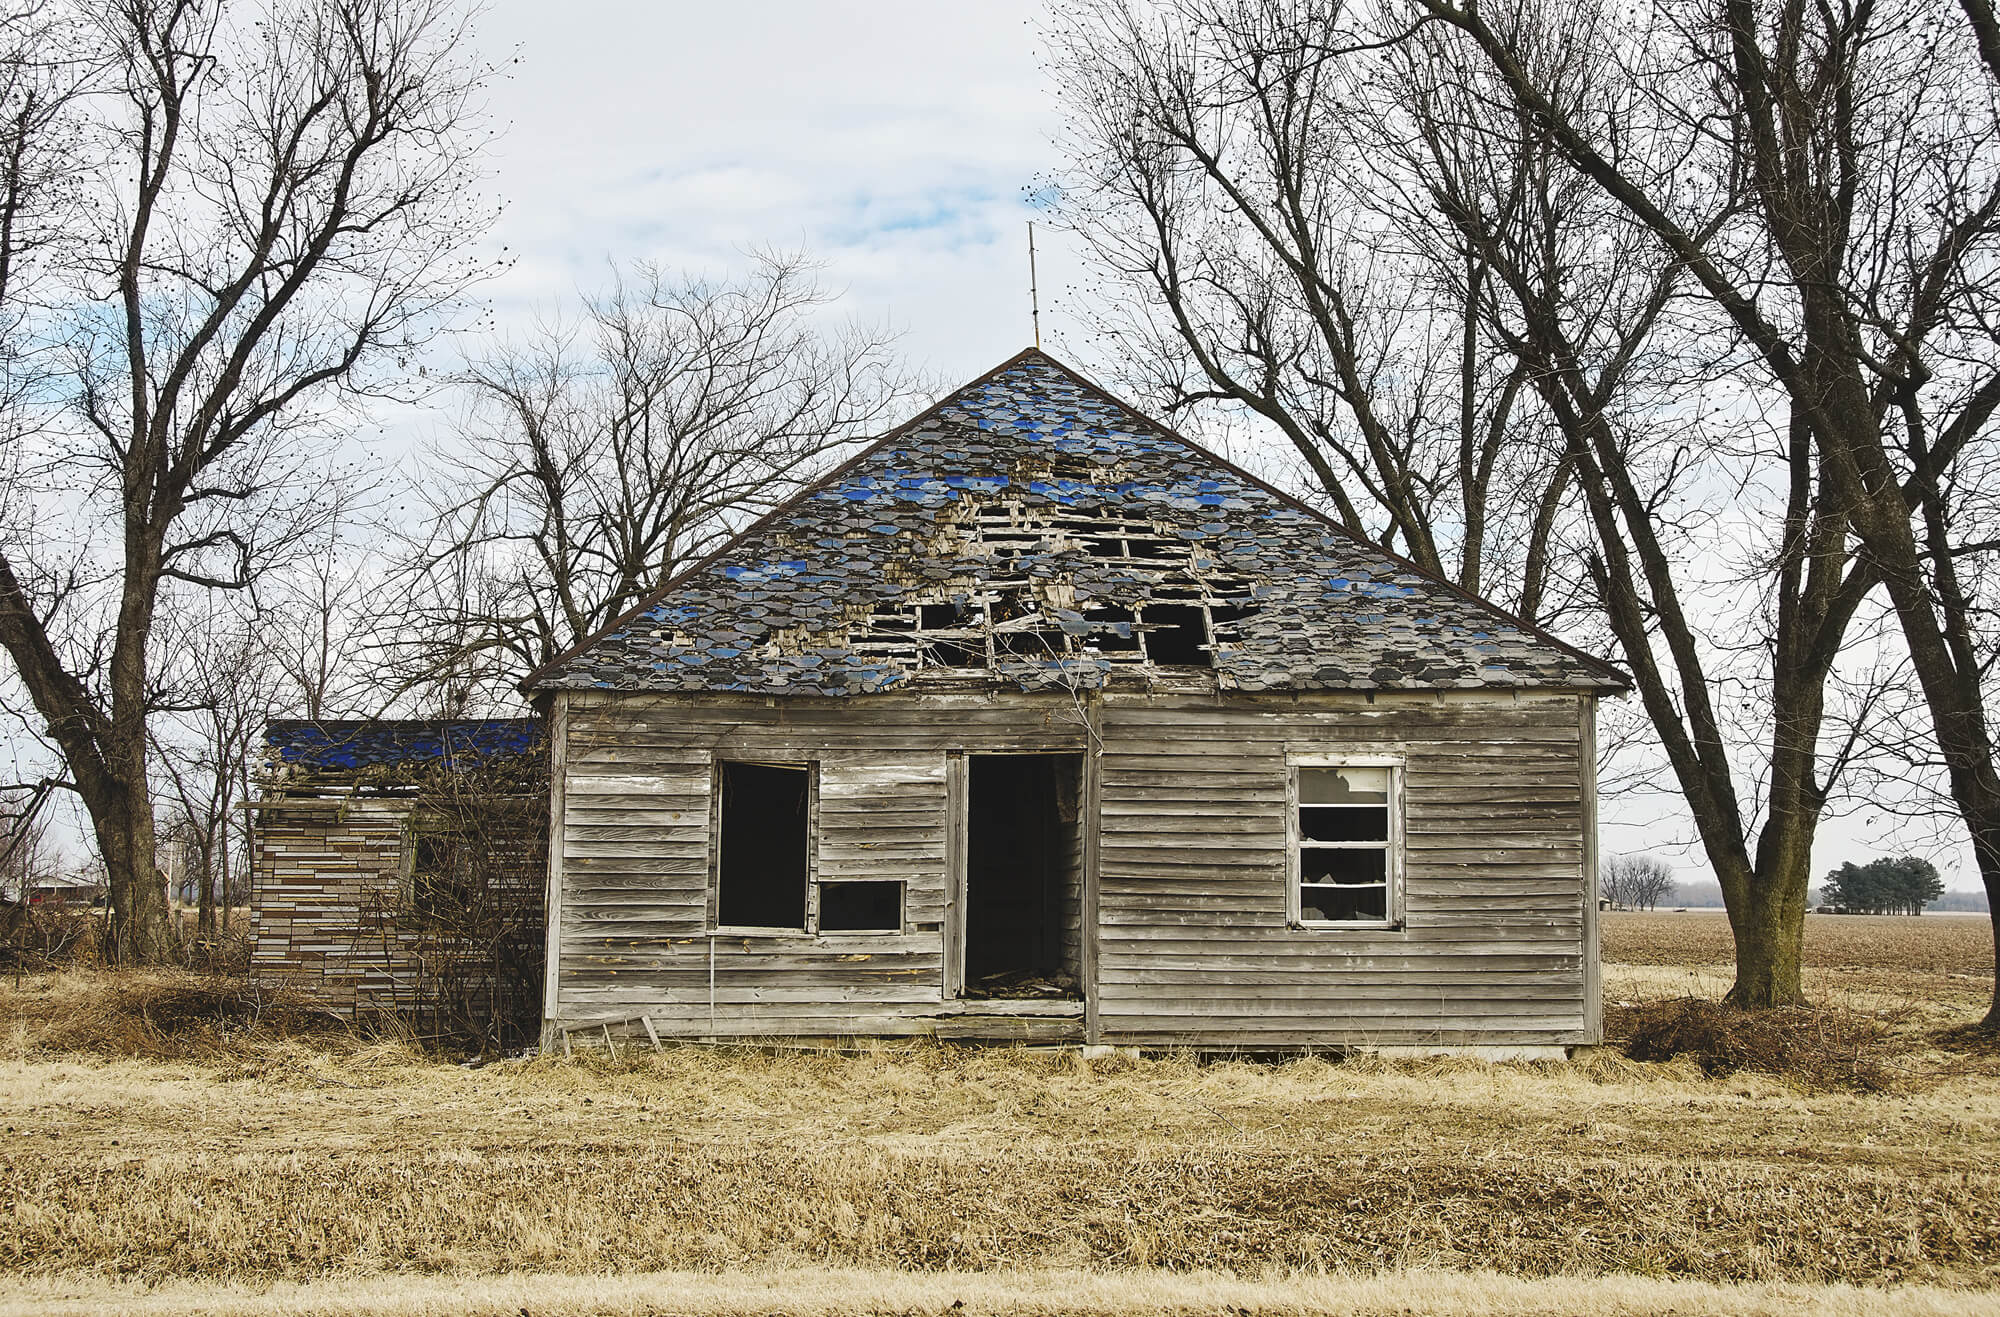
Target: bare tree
(1860, 270)
(278, 204)
(225, 685)
(1225, 175)
(1552, 286)
(321, 635)
(596, 460)
(1637, 882)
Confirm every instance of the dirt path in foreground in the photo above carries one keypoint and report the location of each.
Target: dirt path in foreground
(824, 1293)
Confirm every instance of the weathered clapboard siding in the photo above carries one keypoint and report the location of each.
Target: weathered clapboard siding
(1194, 947)
(633, 860)
(1182, 928)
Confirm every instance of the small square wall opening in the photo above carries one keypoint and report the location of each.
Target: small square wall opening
(861, 907)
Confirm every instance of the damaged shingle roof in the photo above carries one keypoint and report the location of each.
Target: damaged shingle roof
(1031, 532)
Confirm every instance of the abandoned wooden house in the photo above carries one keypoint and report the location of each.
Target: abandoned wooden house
(1038, 722)
(399, 868)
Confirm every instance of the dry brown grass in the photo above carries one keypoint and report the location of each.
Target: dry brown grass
(156, 1015)
(324, 1161)
(1816, 1047)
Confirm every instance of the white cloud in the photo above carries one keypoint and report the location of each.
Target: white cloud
(892, 140)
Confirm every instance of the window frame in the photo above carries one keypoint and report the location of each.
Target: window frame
(1394, 847)
(418, 826)
(715, 841)
(902, 887)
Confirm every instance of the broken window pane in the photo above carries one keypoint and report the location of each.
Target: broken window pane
(1345, 838)
(1323, 865)
(1343, 903)
(1344, 786)
(864, 907)
(761, 874)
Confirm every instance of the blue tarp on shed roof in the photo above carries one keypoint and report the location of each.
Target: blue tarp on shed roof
(348, 745)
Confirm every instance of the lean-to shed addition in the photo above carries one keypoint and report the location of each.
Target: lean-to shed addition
(1039, 722)
(398, 870)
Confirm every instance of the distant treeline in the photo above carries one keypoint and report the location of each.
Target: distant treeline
(1708, 895)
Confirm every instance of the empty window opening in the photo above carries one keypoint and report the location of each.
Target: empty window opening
(761, 871)
(1176, 635)
(1023, 876)
(1346, 839)
(862, 907)
(442, 875)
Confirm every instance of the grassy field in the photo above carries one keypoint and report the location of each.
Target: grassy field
(165, 1169)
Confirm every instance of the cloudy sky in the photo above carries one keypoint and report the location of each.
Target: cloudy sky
(891, 139)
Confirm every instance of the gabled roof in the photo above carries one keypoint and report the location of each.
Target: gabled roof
(1032, 532)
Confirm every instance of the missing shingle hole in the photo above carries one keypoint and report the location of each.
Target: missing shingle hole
(943, 617)
(1176, 635)
(1031, 644)
(1111, 630)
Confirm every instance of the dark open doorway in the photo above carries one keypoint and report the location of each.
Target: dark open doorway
(1023, 876)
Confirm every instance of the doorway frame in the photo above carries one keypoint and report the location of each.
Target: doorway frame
(958, 818)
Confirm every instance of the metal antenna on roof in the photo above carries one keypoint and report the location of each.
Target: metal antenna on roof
(1034, 296)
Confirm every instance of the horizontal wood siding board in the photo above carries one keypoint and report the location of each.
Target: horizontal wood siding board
(1194, 944)
(1192, 863)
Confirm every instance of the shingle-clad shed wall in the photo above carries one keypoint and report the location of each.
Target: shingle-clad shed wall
(323, 887)
(331, 908)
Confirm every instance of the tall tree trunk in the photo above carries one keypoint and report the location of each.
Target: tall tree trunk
(124, 829)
